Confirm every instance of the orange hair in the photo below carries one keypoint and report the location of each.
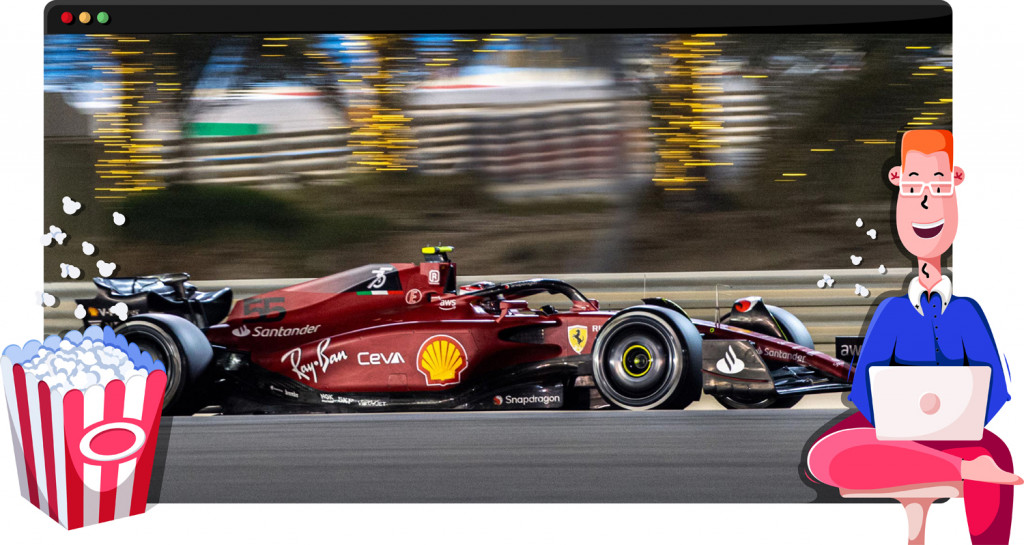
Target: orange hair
(927, 142)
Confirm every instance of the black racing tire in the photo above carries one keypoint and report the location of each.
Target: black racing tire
(641, 362)
(758, 402)
(792, 326)
(161, 345)
(797, 333)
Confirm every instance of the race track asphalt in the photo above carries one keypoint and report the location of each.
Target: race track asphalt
(596, 456)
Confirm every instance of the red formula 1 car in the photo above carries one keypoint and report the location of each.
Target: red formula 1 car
(406, 336)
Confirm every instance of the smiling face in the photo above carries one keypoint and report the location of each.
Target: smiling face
(926, 222)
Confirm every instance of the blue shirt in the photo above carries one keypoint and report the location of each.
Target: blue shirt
(900, 334)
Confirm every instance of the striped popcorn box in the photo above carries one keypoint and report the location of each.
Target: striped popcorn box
(84, 413)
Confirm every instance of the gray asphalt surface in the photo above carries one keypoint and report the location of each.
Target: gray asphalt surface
(596, 456)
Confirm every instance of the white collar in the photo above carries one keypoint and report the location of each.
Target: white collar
(944, 288)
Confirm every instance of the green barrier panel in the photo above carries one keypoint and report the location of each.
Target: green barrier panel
(193, 130)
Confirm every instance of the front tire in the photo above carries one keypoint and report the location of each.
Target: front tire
(640, 362)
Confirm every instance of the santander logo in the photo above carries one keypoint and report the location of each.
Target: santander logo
(730, 364)
(258, 331)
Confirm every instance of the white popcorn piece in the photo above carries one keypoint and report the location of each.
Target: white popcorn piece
(89, 358)
(46, 299)
(106, 269)
(860, 222)
(119, 219)
(79, 312)
(856, 259)
(70, 205)
(881, 269)
(87, 248)
(46, 239)
(69, 271)
(872, 233)
(121, 310)
(821, 283)
(106, 374)
(57, 234)
(83, 379)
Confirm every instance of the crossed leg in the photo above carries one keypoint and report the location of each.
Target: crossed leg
(849, 456)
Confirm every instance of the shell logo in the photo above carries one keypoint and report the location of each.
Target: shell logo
(441, 360)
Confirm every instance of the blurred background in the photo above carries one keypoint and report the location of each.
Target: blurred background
(269, 156)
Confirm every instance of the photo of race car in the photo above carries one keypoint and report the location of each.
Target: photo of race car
(395, 336)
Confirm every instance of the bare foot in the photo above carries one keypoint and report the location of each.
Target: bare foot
(984, 469)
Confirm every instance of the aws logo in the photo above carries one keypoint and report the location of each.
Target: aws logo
(441, 359)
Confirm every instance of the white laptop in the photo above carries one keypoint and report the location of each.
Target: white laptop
(913, 403)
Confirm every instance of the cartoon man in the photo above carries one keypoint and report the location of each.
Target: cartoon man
(929, 326)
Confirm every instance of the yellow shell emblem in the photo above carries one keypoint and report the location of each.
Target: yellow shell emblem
(441, 360)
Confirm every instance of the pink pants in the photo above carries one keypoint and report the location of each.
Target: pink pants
(849, 456)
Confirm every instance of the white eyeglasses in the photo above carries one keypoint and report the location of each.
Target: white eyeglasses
(937, 189)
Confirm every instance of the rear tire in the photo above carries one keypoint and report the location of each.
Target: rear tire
(161, 345)
(640, 363)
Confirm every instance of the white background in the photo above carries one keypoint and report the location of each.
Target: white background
(987, 118)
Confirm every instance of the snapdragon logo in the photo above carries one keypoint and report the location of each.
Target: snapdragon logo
(529, 400)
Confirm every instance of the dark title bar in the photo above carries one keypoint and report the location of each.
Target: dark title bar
(924, 17)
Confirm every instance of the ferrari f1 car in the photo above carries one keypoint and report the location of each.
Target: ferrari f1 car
(406, 336)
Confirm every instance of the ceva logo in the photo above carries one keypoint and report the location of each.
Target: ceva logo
(730, 364)
(376, 358)
(240, 331)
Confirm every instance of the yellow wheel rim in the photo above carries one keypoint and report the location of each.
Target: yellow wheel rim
(638, 357)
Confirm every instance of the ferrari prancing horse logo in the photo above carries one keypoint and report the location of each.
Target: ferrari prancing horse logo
(578, 338)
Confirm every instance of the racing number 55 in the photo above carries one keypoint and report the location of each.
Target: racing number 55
(266, 308)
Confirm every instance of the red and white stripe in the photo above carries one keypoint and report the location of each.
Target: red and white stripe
(53, 437)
